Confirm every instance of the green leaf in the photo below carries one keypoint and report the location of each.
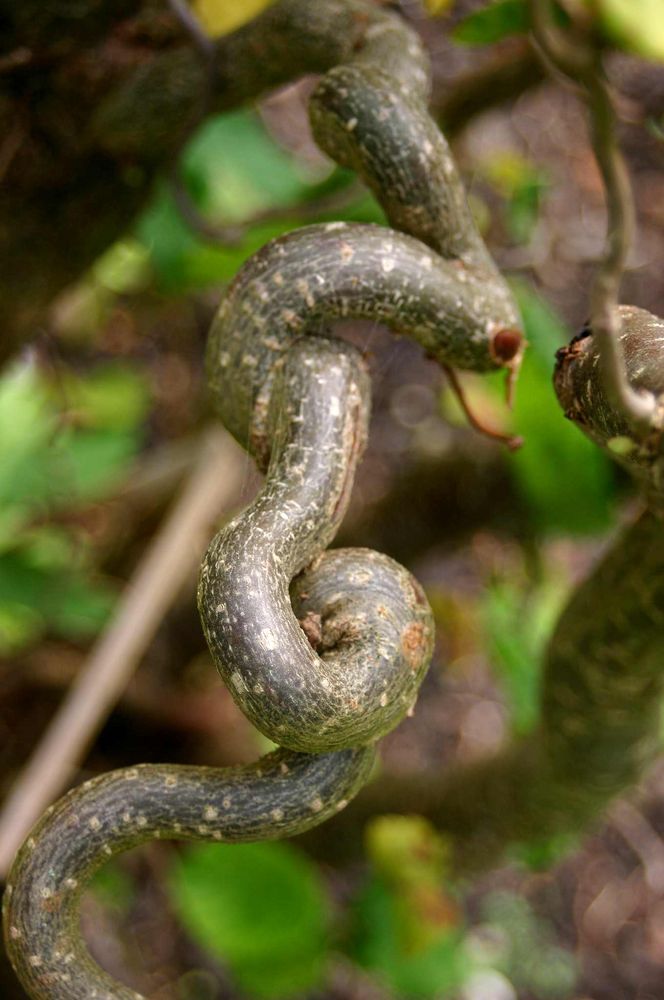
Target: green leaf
(522, 184)
(436, 970)
(19, 626)
(114, 888)
(490, 24)
(518, 619)
(27, 427)
(567, 482)
(91, 462)
(123, 268)
(83, 606)
(113, 396)
(406, 849)
(261, 908)
(233, 170)
(72, 603)
(635, 25)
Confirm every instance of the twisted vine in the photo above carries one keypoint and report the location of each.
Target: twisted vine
(324, 652)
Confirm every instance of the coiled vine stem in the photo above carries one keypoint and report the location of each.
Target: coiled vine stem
(324, 652)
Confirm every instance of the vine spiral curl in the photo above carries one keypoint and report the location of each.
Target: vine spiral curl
(324, 652)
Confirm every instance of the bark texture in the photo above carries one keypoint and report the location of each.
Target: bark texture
(300, 403)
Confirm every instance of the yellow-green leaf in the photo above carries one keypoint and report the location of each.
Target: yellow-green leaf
(637, 25)
(438, 7)
(219, 17)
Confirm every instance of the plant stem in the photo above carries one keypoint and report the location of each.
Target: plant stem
(579, 59)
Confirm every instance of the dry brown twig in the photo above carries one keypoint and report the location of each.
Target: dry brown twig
(214, 485)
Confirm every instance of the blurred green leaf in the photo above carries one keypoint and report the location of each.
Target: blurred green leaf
(113, 396)
(124, 268)
(565, 479)
(260, 907)
(83, 606)
(27, 425)
(542, 855)
(635, 25)
(233, 170)
(532, 960)
(239, 168)
(50, 547)
(518, 619)
(407, 926)
(489, 24)
(25, 420)
(114, 888)
(91, 462)
(522, 184)
(406, 849)
(19, 625)
(61, 445)
(73, 603)
(378, 944)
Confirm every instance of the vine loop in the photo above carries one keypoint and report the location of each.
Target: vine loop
(324, 652)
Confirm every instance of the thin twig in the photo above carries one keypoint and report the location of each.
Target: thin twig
(638, 407)
(185, 15)
(579, 59)
(214, 485)
(511, 441)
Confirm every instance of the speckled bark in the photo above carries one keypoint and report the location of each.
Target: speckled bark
(376, 629)
(324, 651)
(600, 723)
(603, 672)
(281, 795)
(301, 282)
(340, 665)
(582, 395)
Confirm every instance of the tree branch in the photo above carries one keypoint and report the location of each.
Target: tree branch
(578, 58)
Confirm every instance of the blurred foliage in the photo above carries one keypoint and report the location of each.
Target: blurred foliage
(65, 439)
(407, 927)
(438, 7)
(114, 888)
(543, 854)
(565, 480)
(524, 948)
(221, 16)
(634, 25)
(493, 22)
(234, 172)
(522, 186)
(518, 616)
(566, 483)
(261, 908)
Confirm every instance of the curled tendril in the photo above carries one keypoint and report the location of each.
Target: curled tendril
(324, 652)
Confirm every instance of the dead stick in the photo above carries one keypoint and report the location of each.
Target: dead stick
(214, 485)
